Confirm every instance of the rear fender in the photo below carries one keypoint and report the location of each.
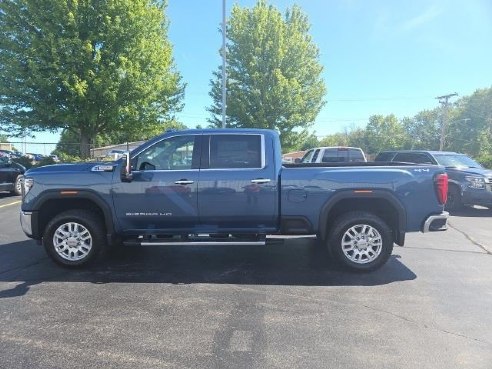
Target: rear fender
(371, 195)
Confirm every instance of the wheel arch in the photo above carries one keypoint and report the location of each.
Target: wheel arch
(452, 182)
(380, 203)
(53, 203)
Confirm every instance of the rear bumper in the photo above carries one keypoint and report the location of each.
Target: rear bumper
(436, 223)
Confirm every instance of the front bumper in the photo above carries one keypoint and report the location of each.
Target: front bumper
(26, 222)
(436, 222)
(478, 197)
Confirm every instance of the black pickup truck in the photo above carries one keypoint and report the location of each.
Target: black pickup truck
(469, 182)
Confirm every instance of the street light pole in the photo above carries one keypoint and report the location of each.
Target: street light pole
(224, 76)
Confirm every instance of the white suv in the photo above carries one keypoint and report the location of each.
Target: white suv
(334, 154)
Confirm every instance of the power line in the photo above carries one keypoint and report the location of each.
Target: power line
(358, 99)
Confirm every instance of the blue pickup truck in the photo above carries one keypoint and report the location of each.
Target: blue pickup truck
(230, 187)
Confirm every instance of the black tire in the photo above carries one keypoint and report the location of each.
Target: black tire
(375, 239)
(17, 185)
(454, 199)
(77, 251)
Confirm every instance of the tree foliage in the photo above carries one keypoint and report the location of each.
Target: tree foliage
(68, 143)
(89, 66)
(383, 132)
(423, 130)
(273, 73)
(470, 128)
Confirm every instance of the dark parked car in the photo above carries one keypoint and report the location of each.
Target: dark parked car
(469, 182)
(11, 175)
(10, 154)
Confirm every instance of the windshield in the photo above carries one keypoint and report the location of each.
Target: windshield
(458, 161)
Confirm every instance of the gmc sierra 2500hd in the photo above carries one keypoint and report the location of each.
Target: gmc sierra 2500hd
(229, 186)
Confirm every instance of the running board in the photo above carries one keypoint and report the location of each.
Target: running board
(197, 241)
(204, 243)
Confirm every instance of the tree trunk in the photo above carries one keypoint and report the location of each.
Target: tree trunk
(85, 145)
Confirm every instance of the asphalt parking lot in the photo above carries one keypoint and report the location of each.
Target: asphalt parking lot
(281, 306)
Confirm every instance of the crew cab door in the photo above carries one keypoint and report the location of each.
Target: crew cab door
(238, 184)
(162, 196)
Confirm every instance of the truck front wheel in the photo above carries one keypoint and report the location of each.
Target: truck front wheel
(17, 190)
(74, 238)
(361, 241)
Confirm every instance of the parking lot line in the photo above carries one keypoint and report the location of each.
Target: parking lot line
(10, 203)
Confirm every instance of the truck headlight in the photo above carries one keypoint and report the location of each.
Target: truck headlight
(475, 182)
(27, 184)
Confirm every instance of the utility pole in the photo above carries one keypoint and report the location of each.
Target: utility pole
(224, 77)
(444, 101)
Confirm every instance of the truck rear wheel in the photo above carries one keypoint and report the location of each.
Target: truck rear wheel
(74, 238)
(361, 241)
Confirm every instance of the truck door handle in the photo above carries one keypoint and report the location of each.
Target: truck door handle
(260, 180)
(183, 182)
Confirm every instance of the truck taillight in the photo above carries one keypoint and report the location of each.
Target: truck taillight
(441, 185)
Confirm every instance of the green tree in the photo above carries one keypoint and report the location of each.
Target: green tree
(384, 133)
(308, 142)
(423, 130)
(335, 139)
(470, 128)
(357, 138)
(273, 73)
(92, 67)
(68, 143)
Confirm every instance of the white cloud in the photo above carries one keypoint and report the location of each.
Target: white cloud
(419, 20)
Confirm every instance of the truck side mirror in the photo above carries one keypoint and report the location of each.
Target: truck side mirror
(297, 161)
(126, 168)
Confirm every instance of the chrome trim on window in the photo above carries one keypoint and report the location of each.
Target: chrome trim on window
(262, 143)
(165, 170)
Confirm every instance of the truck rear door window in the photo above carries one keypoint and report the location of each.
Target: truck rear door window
(235, 151)
(335, 155)
(356, 155)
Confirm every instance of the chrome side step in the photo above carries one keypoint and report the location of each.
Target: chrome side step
(195, 240)
(201, 243)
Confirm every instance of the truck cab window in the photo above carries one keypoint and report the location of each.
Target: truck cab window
(307, 157)
(175, 153)
(235, 151)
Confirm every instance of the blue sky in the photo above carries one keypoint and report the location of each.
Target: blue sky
(379, 56)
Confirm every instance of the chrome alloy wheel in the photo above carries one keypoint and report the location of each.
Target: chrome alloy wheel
(18, 184)
(362, 243)
(72, 241)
